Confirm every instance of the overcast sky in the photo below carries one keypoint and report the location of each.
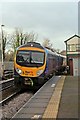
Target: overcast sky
(56, 21)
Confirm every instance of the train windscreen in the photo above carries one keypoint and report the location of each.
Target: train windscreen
(30, 58)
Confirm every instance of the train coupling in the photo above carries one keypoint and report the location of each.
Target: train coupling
(28, 81)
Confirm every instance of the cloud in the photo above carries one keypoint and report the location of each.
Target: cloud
(40, 0)
(54, 20)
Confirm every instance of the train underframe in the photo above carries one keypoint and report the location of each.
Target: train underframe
(23, 82)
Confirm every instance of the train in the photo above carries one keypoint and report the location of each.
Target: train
(33, 64)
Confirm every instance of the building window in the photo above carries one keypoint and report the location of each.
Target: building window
(71, 47)
(77, 47)
(68, 47)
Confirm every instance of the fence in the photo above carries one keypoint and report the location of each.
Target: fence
(7, 66)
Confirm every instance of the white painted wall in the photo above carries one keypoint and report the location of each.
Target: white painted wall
(76, 66)
(74, 40)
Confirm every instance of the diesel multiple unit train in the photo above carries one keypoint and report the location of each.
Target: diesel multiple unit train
(33, 64)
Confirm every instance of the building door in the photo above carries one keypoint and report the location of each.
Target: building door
(71, 66)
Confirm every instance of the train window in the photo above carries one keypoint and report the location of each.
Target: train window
(30, 58)
(23, 56)
(37, 57)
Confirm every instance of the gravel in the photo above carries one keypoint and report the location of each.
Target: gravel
(10, 108)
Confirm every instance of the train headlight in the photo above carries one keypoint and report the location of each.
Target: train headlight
(39, 72)
(18, 71)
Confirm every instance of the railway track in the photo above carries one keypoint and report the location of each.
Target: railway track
(13, 105)
(2, 102)
(14, 102)
(7, 74)
(7, 90)
(5, 84)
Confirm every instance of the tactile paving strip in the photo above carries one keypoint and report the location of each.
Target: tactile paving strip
(53, 105)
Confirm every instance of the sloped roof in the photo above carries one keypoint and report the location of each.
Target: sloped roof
(72, 37)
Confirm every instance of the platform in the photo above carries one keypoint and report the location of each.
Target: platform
(58, 98)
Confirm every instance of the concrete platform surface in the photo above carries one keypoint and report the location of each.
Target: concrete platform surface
(57, 99)
(68, 107)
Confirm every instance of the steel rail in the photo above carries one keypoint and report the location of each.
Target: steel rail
(2, 102)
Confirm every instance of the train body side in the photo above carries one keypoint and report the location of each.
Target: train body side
(55, 63)
(50, 63)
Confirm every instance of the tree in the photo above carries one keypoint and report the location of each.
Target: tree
(17, 38)
(20, 38)
(47, 43)
(4, 43)
(4, 46)
(9, 56)
(58, 50)
(30, 37)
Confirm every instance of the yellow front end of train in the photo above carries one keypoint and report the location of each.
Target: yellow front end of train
(29, 65)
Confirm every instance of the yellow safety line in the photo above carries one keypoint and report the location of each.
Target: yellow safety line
(53, 106)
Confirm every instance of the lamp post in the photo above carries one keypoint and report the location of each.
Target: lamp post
(2, 37)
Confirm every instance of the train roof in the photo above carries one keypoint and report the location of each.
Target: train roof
(62, 56)
(54, 53)
(50, 51)
(32, 44)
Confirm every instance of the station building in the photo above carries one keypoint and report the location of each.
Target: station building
(73, 54)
